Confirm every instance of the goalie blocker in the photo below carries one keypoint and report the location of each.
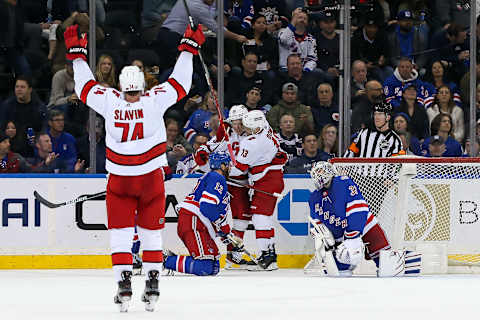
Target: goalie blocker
(343, 228)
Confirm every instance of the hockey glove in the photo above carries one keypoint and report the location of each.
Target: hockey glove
(350, 251)
(192, 40)
(221, 131)
(76, 47)
(235, 241)
(201, 156)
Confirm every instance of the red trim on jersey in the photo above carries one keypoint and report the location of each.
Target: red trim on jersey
(136, 159)
(86, 89)
(260, 169)
(265, 234)
(153, 256)
(195, 203)
(209, 198)
(369, 219)
(351, 234)
(180, 264)
(178, 87)
(119, 258)
(241, 166)
(358, 205)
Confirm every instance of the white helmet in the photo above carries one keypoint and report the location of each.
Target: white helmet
(254, 119)
(322, 174)
(237, 112)
(132, 79)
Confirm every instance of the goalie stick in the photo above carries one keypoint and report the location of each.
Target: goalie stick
(327, 254)
(242, 248)
(52, 205)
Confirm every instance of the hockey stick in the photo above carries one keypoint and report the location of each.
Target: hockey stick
(240, 184)
(52, 205)
(235, 243)
(327, 253)
(191, 170)
(210, 85)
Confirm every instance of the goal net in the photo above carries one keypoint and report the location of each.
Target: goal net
(423, 202)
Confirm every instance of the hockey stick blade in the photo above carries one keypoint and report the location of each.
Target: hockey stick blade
(45, 202)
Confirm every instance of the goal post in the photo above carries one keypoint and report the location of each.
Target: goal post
(428, 204)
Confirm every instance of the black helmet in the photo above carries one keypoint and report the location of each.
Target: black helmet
(383, 106)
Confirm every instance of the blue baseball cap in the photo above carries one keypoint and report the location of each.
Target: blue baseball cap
(405, 15)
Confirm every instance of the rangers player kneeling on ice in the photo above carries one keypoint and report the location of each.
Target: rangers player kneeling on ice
(343, 227)
(201, 217)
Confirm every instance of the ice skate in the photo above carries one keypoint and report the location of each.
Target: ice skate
(235, 261)
(151, 293)
(124, 294)
(167, 272)
(266, 262)
(137, 264)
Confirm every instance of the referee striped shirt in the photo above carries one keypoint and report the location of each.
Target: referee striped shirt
(371, 143)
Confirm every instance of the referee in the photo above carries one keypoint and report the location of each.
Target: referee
(380, 142)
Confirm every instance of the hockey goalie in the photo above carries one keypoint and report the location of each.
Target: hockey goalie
(345, 231)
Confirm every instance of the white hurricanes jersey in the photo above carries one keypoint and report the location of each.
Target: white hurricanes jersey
(256, 154)
(135, 132)
(235, 139)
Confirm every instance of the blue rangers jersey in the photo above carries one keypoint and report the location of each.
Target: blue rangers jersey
(341, 208)
(393, 89)
(199, 122)
(209, 200)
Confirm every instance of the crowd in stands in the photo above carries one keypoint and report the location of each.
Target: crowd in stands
(281, 57)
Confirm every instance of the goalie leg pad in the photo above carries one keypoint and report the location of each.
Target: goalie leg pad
(391, 264)
(413, 263)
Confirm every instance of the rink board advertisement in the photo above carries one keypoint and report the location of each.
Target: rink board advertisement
(75, 236)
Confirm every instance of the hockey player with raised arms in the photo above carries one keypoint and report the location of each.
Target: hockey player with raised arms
(346, 224)
(261, 157)
(135, 155)
(202, 216)
(240, 200)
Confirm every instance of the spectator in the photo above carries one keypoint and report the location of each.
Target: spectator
(295, 39)
(239, 83)
(105, 71)
(63, 93)
(187, 163)
(47, 161)
(18, 142)
(289, 104)
(24, 108)
(406, 40)
(325, 110)
(150, 80)
(11, 162)
(307, 82)
(63, 143)
(328, 140)
(253, 97)
(401, 125)
(83, 146)
(262, 44)
(359, 79)
(154, 13)
(436, 76)
(64, 98)
(59, 60)
(239, 15)
(368, 44)
(289, 141)
(328, 46)
(176, 23)
(442, 126)
(363, 107)
(451, 48)
(409, 104)
(177, 146)
(403, 74)
(199, 120)
(275, 11)
(444, 104)
(436, 147)
(12, 35)
(311, 154)
(465, 82)
(446, 11)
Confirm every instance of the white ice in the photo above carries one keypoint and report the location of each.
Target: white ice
(282, 294)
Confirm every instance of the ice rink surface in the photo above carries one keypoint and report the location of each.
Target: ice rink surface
(282, 294)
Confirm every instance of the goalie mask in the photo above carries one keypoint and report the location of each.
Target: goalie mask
(322, 174)
(254, 120)
(132, 79)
